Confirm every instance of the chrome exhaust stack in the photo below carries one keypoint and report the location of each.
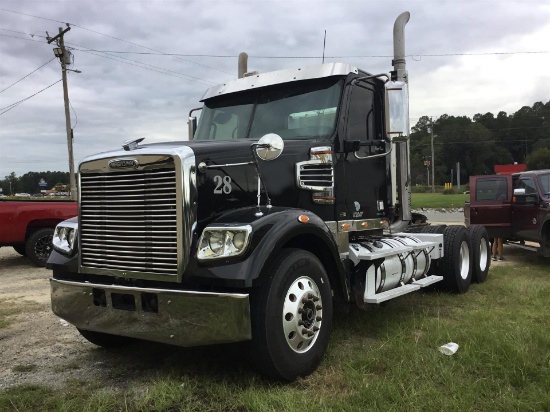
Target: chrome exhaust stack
(242, 65)
(400, 161)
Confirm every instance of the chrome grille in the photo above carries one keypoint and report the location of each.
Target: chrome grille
(128, 221)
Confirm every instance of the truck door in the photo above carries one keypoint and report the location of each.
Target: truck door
(490, 204)
(525, 210)
(364, 179)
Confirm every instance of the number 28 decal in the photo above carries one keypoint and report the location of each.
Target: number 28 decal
(223, 185)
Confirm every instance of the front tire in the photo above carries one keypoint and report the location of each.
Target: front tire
(291, 316)
(105, 340)
(39, 246)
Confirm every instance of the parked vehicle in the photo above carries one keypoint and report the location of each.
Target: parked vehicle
(28, 226)
(513, 207)
(293, 194)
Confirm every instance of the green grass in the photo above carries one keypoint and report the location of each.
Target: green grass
(385, 359)
(438, 200)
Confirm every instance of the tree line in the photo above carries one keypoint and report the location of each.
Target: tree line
(480, 143)
(29, 182)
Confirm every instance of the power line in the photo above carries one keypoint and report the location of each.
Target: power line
(31, 15)
(13, 84)
(14, 105)
(112, 37)
(21, 38)
(22, 32)
(148, 65)
(154, 69)
(148, 48)
(230, 56)
(207, 82)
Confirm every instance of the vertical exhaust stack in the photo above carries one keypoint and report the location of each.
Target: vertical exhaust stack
(243, 64)
(402, 152)
(398, 62)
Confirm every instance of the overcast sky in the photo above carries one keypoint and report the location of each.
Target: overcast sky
(464, 57)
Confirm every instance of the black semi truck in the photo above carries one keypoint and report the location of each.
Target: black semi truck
(292, 194)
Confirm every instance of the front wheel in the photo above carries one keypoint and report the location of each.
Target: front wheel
(291, 316)
(105, 340)
(39, 246)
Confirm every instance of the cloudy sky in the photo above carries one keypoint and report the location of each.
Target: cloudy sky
(145, 63)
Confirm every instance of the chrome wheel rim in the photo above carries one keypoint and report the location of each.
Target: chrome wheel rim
(464, 260)
(43, 248)
(302, 314)
(483, 254)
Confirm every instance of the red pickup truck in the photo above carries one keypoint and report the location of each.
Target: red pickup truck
(28, 226)
(514, 207)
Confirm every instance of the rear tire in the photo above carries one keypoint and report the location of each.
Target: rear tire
(481, 253)
(39, 246)
(20, 248)
(291, 316)
(434, 229)
(456, 265)
(105, 340)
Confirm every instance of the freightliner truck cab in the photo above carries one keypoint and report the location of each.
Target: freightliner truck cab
(292, 193)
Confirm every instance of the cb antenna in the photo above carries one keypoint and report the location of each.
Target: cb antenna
(324, 44)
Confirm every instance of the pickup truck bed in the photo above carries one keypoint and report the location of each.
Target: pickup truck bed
(28, 225)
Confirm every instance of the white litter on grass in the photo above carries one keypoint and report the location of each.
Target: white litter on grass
(449, 348)
(63, 322)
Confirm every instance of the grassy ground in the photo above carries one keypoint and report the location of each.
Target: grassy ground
(385, 359)
(437, 200)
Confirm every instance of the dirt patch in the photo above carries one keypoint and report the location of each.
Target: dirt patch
(39, 348)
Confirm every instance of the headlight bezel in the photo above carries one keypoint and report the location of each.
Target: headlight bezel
(65, 237)
(228, 249)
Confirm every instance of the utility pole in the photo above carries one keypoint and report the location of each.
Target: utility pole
(433, 160)
(427, 164)
(64, 56)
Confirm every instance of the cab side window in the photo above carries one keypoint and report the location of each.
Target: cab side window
(363, 114)
(528, 184)
(493, 189)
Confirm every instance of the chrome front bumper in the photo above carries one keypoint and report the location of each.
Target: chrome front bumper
(183, 318)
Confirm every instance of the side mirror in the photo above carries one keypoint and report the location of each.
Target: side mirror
(521, 198)
(192, 123)
(397, 111)
(270, 147)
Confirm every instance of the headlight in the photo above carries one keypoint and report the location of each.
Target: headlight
(218, 242)
(64, 237)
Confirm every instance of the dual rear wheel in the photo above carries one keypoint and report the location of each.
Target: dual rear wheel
(466, 256)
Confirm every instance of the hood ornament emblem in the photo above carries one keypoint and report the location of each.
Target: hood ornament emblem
(132, 144)
(123, 164)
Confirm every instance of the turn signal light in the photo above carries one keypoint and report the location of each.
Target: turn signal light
(303, 218)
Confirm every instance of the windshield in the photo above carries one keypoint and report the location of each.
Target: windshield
(305, 110)
(544, 181)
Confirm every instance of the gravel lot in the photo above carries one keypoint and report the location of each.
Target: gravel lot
(39, 348)
(36, 344)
